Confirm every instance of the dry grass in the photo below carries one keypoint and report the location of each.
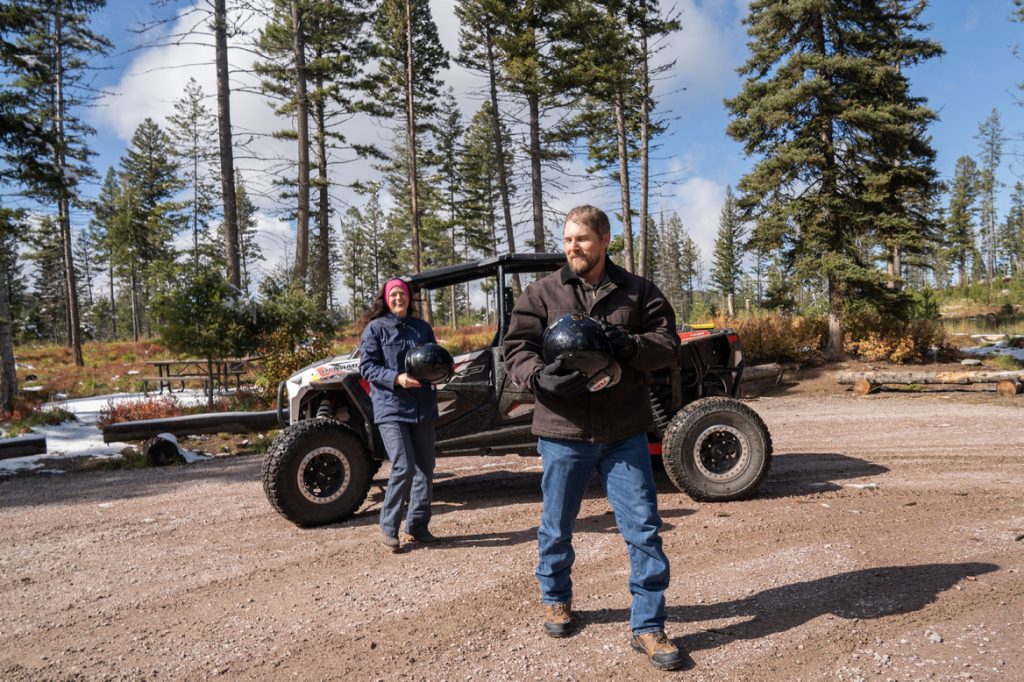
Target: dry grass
(107, 367)
(777, 337)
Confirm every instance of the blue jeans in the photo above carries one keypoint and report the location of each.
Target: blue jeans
(410, 448)
(625, 470)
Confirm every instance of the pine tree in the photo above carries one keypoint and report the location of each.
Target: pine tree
(480, 24)
(728, 255)
(1012, 237)
(691, 271)
(45, 250)
(812, 110)
(991, 139)
(146, 217)
(481, 172)
(24, 160)
(449, 182)
(898, 169)
(524, 45)
(193, 134)
(411, 57)
(606, 63)
(668, 273)
(963, 199)
(249, 251)
(103, 230)
(56, 87)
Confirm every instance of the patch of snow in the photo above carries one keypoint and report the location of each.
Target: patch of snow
(83, 438)
(997, 349)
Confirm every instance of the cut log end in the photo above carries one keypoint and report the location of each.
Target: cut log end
(1009, 387)
(863, 387)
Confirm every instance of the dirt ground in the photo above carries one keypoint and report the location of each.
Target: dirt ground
(887, 544)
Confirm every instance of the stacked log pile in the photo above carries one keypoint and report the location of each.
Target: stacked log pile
(1007, 382)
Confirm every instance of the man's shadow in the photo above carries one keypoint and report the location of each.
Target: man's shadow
(864, 594)
(594, 523)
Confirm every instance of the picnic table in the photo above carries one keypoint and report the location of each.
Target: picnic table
(213, 373)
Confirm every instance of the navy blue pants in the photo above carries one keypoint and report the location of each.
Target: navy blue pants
(410, 448)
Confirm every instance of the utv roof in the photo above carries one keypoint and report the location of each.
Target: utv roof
(471, 270)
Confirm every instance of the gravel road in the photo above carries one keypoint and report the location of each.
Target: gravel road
(887, 544)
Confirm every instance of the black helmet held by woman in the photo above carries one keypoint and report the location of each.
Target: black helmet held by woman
(430, 364)
(582, 344)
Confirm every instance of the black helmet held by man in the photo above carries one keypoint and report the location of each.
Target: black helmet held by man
(581, 344)
(429, 364)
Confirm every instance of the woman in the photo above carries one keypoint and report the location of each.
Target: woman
(403, 409)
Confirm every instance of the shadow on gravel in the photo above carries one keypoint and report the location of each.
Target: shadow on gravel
(804, 473)
(865, 594)
(102, 485)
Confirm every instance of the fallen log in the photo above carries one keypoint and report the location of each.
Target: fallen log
(759, 372)
(192, 424)
(22, 446)
(866, 382)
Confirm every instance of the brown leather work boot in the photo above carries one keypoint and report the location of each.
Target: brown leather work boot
(558, 620)
(660, 650)
(424, 538)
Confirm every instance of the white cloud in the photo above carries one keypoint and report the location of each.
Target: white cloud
(698, 201)
(706, 51)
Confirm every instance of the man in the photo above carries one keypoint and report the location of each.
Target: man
(579, 431)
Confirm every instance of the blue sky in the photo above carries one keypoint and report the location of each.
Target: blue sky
(978, 72)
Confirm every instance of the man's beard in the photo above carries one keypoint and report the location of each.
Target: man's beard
(582, 267)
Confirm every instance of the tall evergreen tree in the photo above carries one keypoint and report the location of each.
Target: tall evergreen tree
(991, 139)
(50, 300)
(193, 133)
(691, 270)
(963, 198)
(146, 217)
(104, 231)
(667, 265)
(67, 45)
(249, 250)
(480, 25)
(1011, 240)
(449, 182)
(728, 256)
(812, 110)
(24, 160)
(411, 58)
(481, 173)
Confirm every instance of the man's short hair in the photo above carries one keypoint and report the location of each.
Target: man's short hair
(592, 217)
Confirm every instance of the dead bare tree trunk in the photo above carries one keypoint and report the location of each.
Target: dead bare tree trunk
(227, 159)
(623, 150)
(323, 208)
(645, 152)
(410, 123)
(302, 129)
(63, 200)
(499, 155)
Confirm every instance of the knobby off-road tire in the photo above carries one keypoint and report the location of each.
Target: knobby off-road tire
(717, 450)
(316, 472)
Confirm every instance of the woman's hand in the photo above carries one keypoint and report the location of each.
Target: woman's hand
(406, 381)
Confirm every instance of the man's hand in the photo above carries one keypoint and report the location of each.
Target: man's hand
(555, 379)
(624, 346)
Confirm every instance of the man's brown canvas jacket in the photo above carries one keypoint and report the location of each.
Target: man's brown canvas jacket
(628, 301)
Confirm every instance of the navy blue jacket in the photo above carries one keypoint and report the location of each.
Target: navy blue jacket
(382, 351)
